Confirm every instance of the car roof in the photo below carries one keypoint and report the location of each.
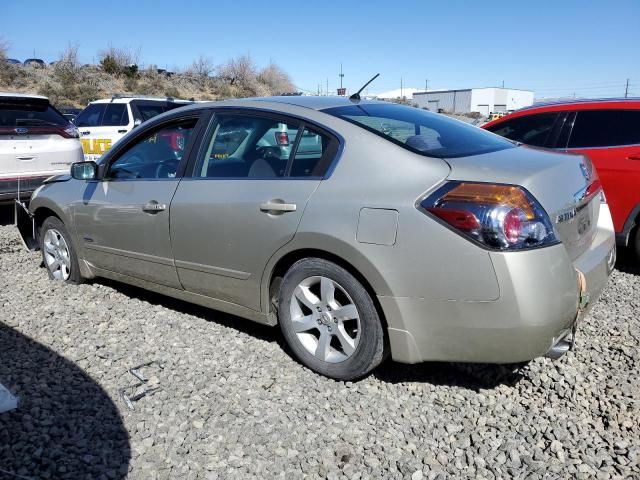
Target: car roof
(311, 102)
(124, 99)
(569, 105)
(22, 95)
(580, 101)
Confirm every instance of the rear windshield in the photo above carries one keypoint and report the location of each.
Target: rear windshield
(420, 131)
(30, 116)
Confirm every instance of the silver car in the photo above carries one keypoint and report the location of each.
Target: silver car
(362, 228)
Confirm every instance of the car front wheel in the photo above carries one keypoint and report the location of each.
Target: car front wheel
(58, 254)
(329, 320)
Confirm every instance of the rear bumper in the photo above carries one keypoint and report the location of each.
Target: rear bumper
(9, 187)
(540, 301)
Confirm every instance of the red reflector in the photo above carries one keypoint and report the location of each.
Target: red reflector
(282, 138)
(460, 219)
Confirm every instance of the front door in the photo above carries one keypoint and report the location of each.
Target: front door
(122, 221)
(243, 201)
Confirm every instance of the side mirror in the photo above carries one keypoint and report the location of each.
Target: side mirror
(137, 122)
(84, 170)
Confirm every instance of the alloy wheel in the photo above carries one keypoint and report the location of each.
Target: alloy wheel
(325, 319)
(56, 255)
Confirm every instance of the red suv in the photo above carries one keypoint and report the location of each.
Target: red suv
(608, 131)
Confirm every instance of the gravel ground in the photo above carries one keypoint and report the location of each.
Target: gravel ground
(231, 403)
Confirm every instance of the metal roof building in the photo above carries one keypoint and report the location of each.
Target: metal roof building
(481, 100)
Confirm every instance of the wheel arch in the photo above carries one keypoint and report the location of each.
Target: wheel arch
(632, 221)
(279, 265)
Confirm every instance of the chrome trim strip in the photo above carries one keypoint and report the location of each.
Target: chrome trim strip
(224, 272)
(127, 253)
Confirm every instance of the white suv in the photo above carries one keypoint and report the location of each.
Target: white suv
(105, 121)
(36, 142)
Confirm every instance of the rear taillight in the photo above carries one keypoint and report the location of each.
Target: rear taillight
(499, 217)
(282, 139)
(70, 132)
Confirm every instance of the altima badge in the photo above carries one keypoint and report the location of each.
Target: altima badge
(566, 216)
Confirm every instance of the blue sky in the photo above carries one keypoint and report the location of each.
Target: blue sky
(555, 48)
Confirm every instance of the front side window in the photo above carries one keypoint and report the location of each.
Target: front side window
(115, 115)
(156, 155)
(530, 130)
(91, 116)
(420, 131)
(605, 128)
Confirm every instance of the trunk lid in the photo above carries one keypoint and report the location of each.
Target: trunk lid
(559, 182)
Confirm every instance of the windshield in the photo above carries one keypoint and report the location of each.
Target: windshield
(420, 131)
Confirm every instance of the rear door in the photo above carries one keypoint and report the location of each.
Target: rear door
(611, 139)
(101, 125)
(122, 220)
(244, 200)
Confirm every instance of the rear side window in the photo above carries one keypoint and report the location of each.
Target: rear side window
(261, 147)
(149, 111)
(91, 116)
(530, 130)
(605, 128)
(12, 116)
(115, 115)
(420, 131)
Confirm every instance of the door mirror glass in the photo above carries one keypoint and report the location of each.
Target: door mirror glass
(137, 122)
(84, 170)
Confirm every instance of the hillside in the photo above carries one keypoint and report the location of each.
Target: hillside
(67, 83)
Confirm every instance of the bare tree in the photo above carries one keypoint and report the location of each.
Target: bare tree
(239, 71)
(119, 57)
(276, 80)
(202, 67)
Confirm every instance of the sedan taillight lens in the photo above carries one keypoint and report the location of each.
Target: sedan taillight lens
(499, 217)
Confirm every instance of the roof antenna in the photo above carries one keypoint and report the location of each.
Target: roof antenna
(356, 96)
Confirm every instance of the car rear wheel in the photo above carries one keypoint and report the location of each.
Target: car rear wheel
(58, 254)
(329, 320)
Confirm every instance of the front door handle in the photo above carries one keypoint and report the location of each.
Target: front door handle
(86, 132)
(634, 157)
(122, 131)
(154, 207)
(278, 206)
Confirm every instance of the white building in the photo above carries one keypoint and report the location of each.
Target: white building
(482, 100)
(406, 92)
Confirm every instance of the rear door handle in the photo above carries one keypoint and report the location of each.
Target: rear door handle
(86, 132)
(277, 206)
(26, 158)
(154, 207)
(122, 131)
(634, 157)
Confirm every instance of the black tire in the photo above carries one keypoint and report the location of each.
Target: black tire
(371, 348)
(54, 224)
(634, 243)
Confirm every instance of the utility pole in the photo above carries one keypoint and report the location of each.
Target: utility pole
(341, 75)
(401, 95)
(327, 87)
(426, 84)
(318, 89)
(502, 83)
(626, 89)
